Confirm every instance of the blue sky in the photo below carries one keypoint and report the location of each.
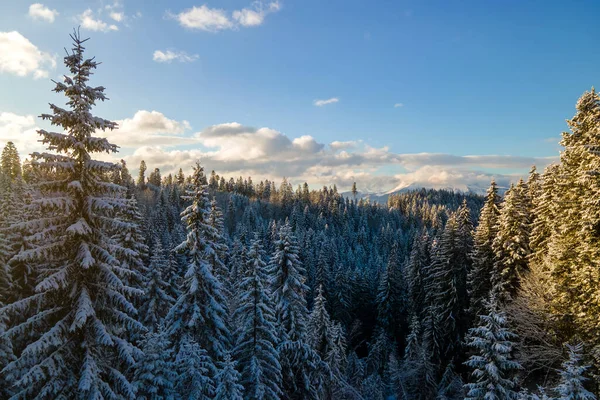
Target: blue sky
(469, 78)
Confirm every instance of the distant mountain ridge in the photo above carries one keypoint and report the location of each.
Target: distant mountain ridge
(382, 198)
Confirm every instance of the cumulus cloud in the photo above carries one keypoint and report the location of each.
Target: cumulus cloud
(234, 149)
(39, 11)
(236, 142)
(255, 16)
(89, 21)
(21, 130)
(398, 105)
(337, 145)
(205, 19)
(173, 55)
(321, 103)
(214, 19)
(149, 128)
(117, 16)
(20, 57)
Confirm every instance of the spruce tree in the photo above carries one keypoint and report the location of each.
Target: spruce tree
(228, 378)
(195, 372)
(391, 303)
(199, 313)
(300, 364)
(10, 162)
(511, 244)
(83, 309)
(480, 276)
(141, 181)
(571, 386)
(493, 366)
(256, 337)
(156, 301)
(573, 246)
(155, 374)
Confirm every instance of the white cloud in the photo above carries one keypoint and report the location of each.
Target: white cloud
(215, 19)
(205, 19)
(337, 145)
(92, 23)
(398, 105)
(117, 16)
(39, 11)
(148, 128)
(255, 16)
(234, 149)
(321, 103)
(173, 55)
(21, 57)
(21, 130)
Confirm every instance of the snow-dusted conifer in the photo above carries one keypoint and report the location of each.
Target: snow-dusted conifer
(511, 244)
(300, 363)
(156, 301)
(492, 365)
(256, 337)
(199, 313)
(571, 386)
(228, 378)
(10, 162)
(215, 220)
(288, 287)
(479, 278)
(80, 348)
(195, 371)
(131, 238)
(155, 375)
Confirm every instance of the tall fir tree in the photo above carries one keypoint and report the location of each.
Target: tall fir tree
(10, 162)
(228, 378)
(493, 366)
(83, 307)
(199, 314)
(156, 301)
(196, 372)
(572, 379)
(155, 375)
(483, 256)
(511, 244)
(300, 364)
(256, 336)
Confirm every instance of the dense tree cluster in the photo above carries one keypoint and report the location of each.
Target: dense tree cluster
(202, 287)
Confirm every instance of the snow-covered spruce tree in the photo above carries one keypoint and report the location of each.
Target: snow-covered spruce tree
(10, 162)
(156, 301)
(131, 238)
(83, 307)
(573, 246)
(451, 385)
(195, 370)
(215, 220)
(448, 285)
(418, 262)
(256, 336)
(511, 244)
(327, 338)
(571, 386)
(493, 366)
(228, 378)
(200, 311)
(300, 364)
(155, 374)
(418, 379)
(391, 300)
(479, 277)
